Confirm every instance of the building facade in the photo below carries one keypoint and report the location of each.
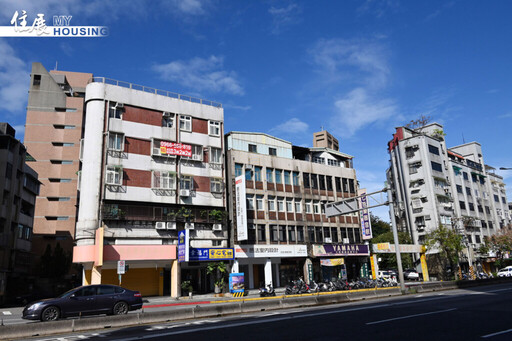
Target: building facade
(285, 233)
(152, 166)
(433, 185)
(53, 132)
(18, 192)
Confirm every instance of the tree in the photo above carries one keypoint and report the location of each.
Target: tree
(500, 243)
(218, 270)
(388, 260)
(379, 226)
(419, 123)
(448, 243)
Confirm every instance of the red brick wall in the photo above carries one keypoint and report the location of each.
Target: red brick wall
(141, 115)
(137, 146)
(136, 178)
(201, 184)
(199, 126)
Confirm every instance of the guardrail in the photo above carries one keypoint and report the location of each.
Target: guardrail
(154, 91)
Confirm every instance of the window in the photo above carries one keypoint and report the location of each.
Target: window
(282, 233)
(291, 233)
(164, 180)
(337, 183)
(37, 80)
(214, 128)
(300, 234)
(274, 236)
(8, 171)
(298, 208)
(433, 149)
(289, 205)
(496, 198)
(238, 169)
(185, 123)
(271, 203)
(316, 207)
(413, 167)
(187, 182)
(115, 141)
(287, 178)
(319, 160)
(477, 239)
(257, 173)
(321, 182)
(215, 155)
(167, 120)
(248, 174)
(471, 206)
(270, 175)
(253, 148)
(328, 182)
(62, 126)
(307, 206)
(259, 203)
(459, 189)
(115, 111)
(462, 205)
(503, 200)
(215, 185)
(114, 175)
(58, 198)
(272, 151)
(279, 174)
(311, 234)
(332, 162)
(280, 204)
(295, 178)
(468, 191)
(250, 202)
(465, 176)
(197, 153)
(305, 177)
(474, 177)
(480, 209)
(487, 210)
(436, 166)
(318, 234)
(261, 233)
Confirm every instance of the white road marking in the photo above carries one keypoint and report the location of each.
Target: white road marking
(410, 316)
(6, 313)
(497, 333)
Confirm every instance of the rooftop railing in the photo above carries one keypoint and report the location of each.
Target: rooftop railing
(153, 91)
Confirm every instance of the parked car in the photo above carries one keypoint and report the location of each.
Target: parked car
(505, 272)
(85, 300)
(383, 274)
(411, 274)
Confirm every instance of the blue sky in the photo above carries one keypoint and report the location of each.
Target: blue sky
(289, 68)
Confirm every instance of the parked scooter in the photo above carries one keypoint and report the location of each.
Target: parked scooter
(267, 290)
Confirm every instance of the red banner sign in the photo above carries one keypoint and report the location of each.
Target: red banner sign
(172, 148)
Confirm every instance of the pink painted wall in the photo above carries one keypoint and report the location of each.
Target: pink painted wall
(83, 254)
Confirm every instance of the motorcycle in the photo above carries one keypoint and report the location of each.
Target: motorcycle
(267, 291)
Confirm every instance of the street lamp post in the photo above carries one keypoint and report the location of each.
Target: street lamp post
(505, 168)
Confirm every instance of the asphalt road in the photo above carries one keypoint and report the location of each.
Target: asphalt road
(470, 314)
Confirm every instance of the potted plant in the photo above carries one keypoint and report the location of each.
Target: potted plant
(217, 215)
(184, 213)
(218, 270)
(186, 286)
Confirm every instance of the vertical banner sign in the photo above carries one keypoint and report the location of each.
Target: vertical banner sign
(241, 211)
(183, 246)
(366, 225)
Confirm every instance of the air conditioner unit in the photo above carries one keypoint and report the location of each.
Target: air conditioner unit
(346, 241)
(166, 114)
(119, 105)
(217, 227)
(171, 225)
(184, 193)
(249, 167)
(197, 157)
(189, 226)
(160, 225)
(447, 190)
(327, 240)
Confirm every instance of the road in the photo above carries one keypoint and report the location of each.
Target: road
(470, 314)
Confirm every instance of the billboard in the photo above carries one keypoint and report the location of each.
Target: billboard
(236, 282)
(241, 211)
(183, 246)
(208, 254)
(364, 214)
(172, 148)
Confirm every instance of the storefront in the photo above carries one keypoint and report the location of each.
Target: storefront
(264, 264)
(331, 261)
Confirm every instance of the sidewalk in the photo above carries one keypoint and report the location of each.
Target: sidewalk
(165, 301)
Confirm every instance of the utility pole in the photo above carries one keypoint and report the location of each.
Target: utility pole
(395, 239)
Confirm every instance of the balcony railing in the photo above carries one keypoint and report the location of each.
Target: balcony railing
(154, 91)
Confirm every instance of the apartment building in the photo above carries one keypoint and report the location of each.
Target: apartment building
(434, 185)
(18, 192)
(53, 131)
(152, 166)
(277, 193)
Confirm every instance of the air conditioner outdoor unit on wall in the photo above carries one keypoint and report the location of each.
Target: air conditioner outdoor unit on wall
(196, 157)
(171, 225)
(189, 226)
(160, 225)
(327, 240)
(184, 193)
(166, 114)
(346, 241)
(217, 227)
(119, 105)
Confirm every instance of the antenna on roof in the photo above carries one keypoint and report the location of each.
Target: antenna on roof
(56, 64)
(463, 140)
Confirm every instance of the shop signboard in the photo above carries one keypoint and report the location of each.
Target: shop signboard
(404, 248)
(236, 282)
(327, 250)
(172, 148)
(332, 262)
(364, 270)
(364, 215)
(208, 254)
(183, 246)
(266, 251)
(241, 211)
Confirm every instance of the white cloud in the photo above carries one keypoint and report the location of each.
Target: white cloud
(189, 7)
(201, 74)
(290, 127)
(237, 107)
(358, 61)
(378, 8)
(357, 109)
(14, 80)
(284, 17)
